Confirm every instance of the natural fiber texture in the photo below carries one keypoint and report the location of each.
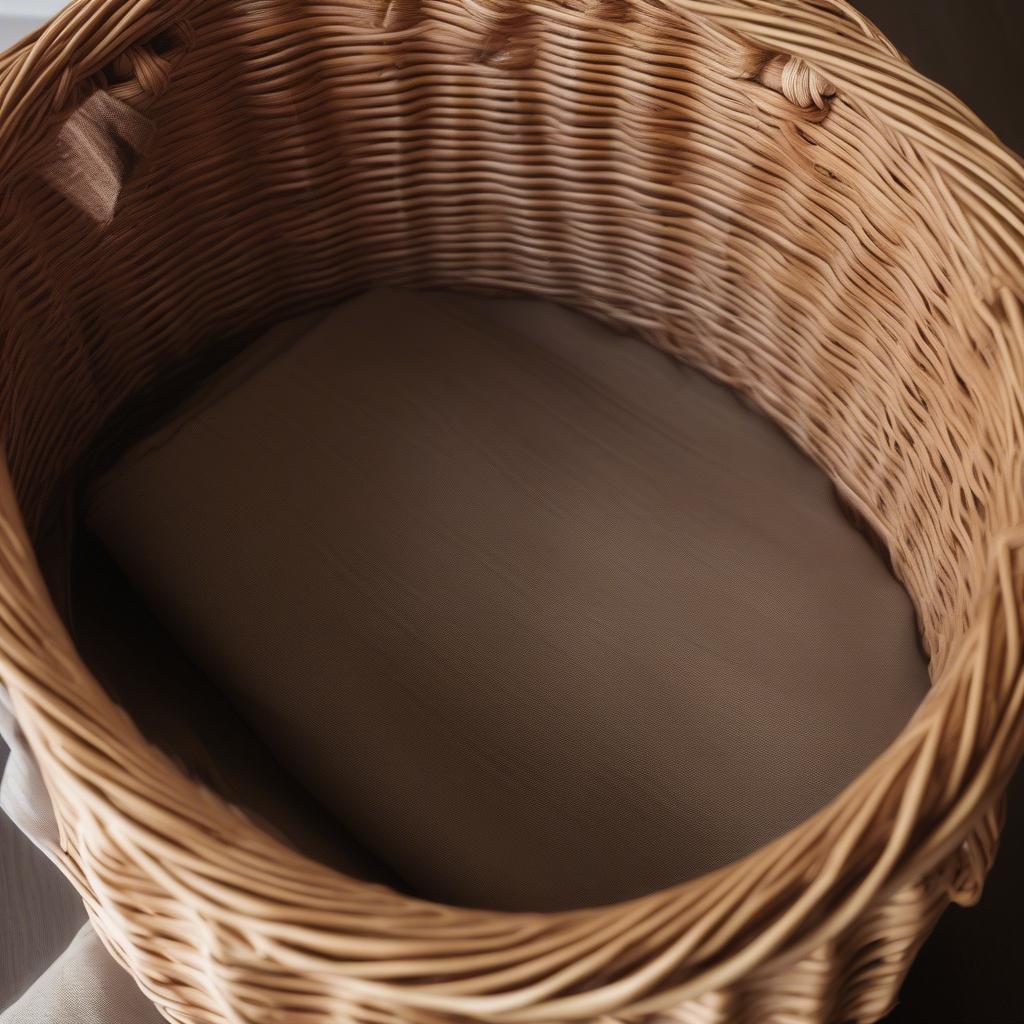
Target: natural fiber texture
(852, 260)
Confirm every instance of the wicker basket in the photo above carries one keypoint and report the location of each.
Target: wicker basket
(762, 186)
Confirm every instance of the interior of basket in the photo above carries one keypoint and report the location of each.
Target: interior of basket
(644, 168)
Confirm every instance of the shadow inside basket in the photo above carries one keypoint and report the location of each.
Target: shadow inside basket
(481, 599)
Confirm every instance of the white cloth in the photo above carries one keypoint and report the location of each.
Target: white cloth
(23, 795)
(84, 985)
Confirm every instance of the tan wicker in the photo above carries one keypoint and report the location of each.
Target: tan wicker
(764, 187)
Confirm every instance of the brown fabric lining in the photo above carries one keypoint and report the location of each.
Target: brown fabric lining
(563, 623)
(179, 709)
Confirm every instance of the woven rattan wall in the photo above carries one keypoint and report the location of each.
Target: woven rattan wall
(762, 186)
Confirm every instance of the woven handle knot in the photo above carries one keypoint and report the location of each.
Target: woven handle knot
(797, 81)
(141, 65)
(138, 75)
(144, 70)
(791, 77)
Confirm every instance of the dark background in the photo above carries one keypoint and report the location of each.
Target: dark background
(972, 47)
(972, 969)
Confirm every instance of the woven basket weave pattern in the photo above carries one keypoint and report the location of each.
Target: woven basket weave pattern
(761, 186)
